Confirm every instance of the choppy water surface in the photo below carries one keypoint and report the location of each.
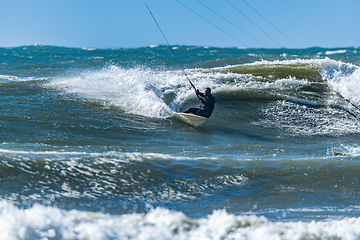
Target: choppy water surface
(89, 149)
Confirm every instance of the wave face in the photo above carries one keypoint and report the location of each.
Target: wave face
(89, 149)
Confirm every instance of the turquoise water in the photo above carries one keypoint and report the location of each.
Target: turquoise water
(89, 149)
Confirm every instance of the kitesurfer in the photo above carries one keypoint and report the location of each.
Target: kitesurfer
(207, 104)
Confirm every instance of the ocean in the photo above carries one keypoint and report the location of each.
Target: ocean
(89, 148)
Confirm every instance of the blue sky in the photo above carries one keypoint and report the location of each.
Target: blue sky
(127, 23)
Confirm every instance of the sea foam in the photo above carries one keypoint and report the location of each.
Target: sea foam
(134, 91)
(41, 222)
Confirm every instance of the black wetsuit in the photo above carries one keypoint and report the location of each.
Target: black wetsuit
(207, 105)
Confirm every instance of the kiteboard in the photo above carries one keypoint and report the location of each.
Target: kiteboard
(189, 118)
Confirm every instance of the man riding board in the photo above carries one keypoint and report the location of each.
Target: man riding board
(207, 104)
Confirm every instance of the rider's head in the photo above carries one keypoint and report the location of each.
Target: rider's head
(207, 91)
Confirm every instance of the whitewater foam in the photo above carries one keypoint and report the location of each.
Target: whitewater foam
(335, 52)
(346, 82)
(110, 156)
(41, 222)
(135, 91)
(10, 78)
